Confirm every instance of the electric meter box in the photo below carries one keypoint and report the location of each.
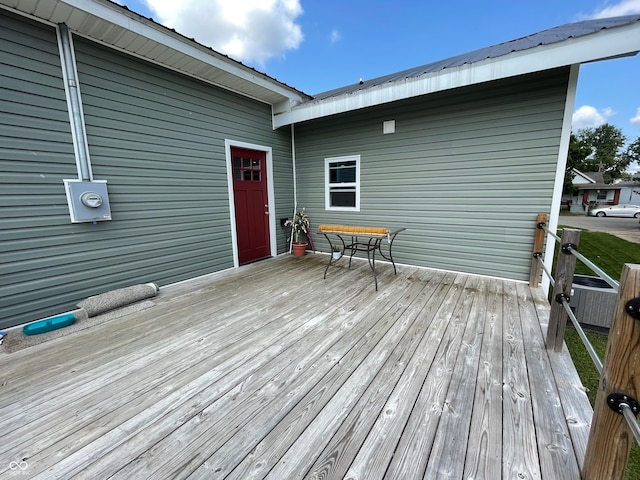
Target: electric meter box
(88, 200)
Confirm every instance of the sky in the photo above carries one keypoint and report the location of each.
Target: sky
(319, 45)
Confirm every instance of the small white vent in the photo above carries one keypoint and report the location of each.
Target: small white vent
(389, 127)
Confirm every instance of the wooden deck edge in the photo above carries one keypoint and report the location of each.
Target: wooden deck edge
(575, 403)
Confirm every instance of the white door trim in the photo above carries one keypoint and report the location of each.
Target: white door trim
(228, 144)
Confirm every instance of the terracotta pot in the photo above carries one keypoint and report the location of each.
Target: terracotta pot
(299, 249)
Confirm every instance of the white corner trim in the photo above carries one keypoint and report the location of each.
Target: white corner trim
(561, 165)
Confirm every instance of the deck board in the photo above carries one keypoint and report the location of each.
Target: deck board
(339, 452)
(269, 371)
(554, 443)
(451, 440)
(484, 448)
(519, 449)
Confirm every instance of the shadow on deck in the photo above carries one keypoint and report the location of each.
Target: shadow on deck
(269, 371)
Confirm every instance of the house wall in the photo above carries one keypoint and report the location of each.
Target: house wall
(584, 200)
(466, 171)
(630, 194)
(157, 137)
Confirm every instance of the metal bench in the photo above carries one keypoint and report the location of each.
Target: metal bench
(363, 239)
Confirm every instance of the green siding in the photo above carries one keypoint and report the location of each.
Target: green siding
(466, 171)
(36, 152)
(157, 138)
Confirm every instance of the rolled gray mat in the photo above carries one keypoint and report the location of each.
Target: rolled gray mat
(118, 298)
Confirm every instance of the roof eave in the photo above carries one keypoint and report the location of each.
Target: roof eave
(598, 186)
(120, 28)
(605, 44)
(583, 175)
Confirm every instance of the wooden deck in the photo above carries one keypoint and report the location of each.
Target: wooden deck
(268, 371)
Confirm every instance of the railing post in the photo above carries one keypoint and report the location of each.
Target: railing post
(538, 245)
(565, 266)
(610, 439)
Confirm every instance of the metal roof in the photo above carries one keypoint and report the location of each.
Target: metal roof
(567, 45)
(546, 37)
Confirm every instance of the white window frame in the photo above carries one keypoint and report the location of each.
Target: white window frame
(327, 185)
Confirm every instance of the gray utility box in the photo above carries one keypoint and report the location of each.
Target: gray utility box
(88, 200)
(593, 301)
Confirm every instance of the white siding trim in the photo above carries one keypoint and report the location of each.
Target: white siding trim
(560, 169)
(228, 144)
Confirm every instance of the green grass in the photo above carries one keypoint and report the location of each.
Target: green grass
(609, 253)
(588, 372)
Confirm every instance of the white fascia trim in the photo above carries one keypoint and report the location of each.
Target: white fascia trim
(115, 15)
(616, 42)
(561, 166)
(273, 244)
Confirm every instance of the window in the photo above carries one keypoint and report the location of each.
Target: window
(342, 183)
(246, 169)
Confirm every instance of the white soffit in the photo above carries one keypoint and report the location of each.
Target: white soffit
(116, 26)
(605, 44)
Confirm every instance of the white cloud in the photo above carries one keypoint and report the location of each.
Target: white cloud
(335, 36)
(636, 120)
(624, 7)
(252, 31)
(590, 117)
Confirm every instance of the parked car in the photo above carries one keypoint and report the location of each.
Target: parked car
(616, 211)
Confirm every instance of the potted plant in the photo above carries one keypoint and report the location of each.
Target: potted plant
(299, 224)
(336, 252)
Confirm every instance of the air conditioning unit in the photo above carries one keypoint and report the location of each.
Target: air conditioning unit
(593, 301)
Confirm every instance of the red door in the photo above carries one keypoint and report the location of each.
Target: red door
(251, 203)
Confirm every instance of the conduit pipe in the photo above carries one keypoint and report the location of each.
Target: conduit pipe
(295, 180)
(76, 116)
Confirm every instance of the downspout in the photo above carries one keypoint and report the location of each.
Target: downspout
(295, 180)
(75, 107)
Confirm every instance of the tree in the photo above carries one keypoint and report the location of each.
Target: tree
(632, 154)
(576, 155)
(606, 142)
(600, 149)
